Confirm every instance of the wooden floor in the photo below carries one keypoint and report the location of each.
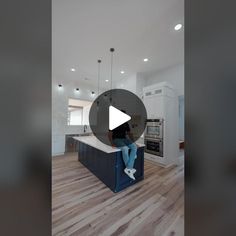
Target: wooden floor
(83, 205)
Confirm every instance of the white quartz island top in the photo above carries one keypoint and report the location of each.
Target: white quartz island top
(96, 143)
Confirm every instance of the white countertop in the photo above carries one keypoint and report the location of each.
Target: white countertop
(96, 143)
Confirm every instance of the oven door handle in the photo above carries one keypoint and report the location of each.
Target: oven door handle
(153, 140)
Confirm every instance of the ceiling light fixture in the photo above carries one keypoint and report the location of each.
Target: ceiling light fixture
(106, 80)
(72, 69)
(77, 89)
(178, 27)
(59, 85)
(145, 59)
(122, 72)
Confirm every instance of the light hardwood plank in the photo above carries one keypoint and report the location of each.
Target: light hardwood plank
(83, 205)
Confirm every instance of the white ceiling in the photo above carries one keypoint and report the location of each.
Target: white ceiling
(84, 31)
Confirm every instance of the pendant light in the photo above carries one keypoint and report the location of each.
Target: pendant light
(99, 64)
(112, 51)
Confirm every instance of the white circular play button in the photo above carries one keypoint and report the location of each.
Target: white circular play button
(114, 109)
(117, 118)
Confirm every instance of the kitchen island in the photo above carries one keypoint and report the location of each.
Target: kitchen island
(107, 163)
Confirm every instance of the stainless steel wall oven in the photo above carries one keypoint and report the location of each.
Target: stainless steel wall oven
(153, 137)
(154, 128)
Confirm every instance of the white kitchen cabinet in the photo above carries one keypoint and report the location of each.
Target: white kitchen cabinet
(161, 101)
(154, 107)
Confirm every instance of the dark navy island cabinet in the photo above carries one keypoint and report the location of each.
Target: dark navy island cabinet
(109, 167)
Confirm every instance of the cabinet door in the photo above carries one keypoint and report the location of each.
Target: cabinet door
(147, 103)
(154, 106)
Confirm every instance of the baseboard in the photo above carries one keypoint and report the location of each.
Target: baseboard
(58, 154)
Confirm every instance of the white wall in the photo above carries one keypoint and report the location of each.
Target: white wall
(135, 83)
(140, 84)
(128, 83)
(60, 97)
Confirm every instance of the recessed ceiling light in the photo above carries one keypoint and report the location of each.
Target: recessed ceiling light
(122, 72)
(107, 80)
(145, 59)
(178, 27)
(72, 69)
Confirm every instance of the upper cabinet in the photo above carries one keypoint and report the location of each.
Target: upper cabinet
(155, 98)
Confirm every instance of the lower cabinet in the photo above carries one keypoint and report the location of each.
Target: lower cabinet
(109, 167)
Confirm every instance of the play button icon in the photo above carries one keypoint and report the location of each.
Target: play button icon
(114, 109)
(117, 118)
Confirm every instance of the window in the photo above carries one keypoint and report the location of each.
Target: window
(78, 112)
(75, 115)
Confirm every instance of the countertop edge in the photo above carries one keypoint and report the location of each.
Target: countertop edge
(112, 150)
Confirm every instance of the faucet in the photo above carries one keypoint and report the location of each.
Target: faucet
(85, 128)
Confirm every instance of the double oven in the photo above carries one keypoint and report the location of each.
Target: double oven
(153, 136)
